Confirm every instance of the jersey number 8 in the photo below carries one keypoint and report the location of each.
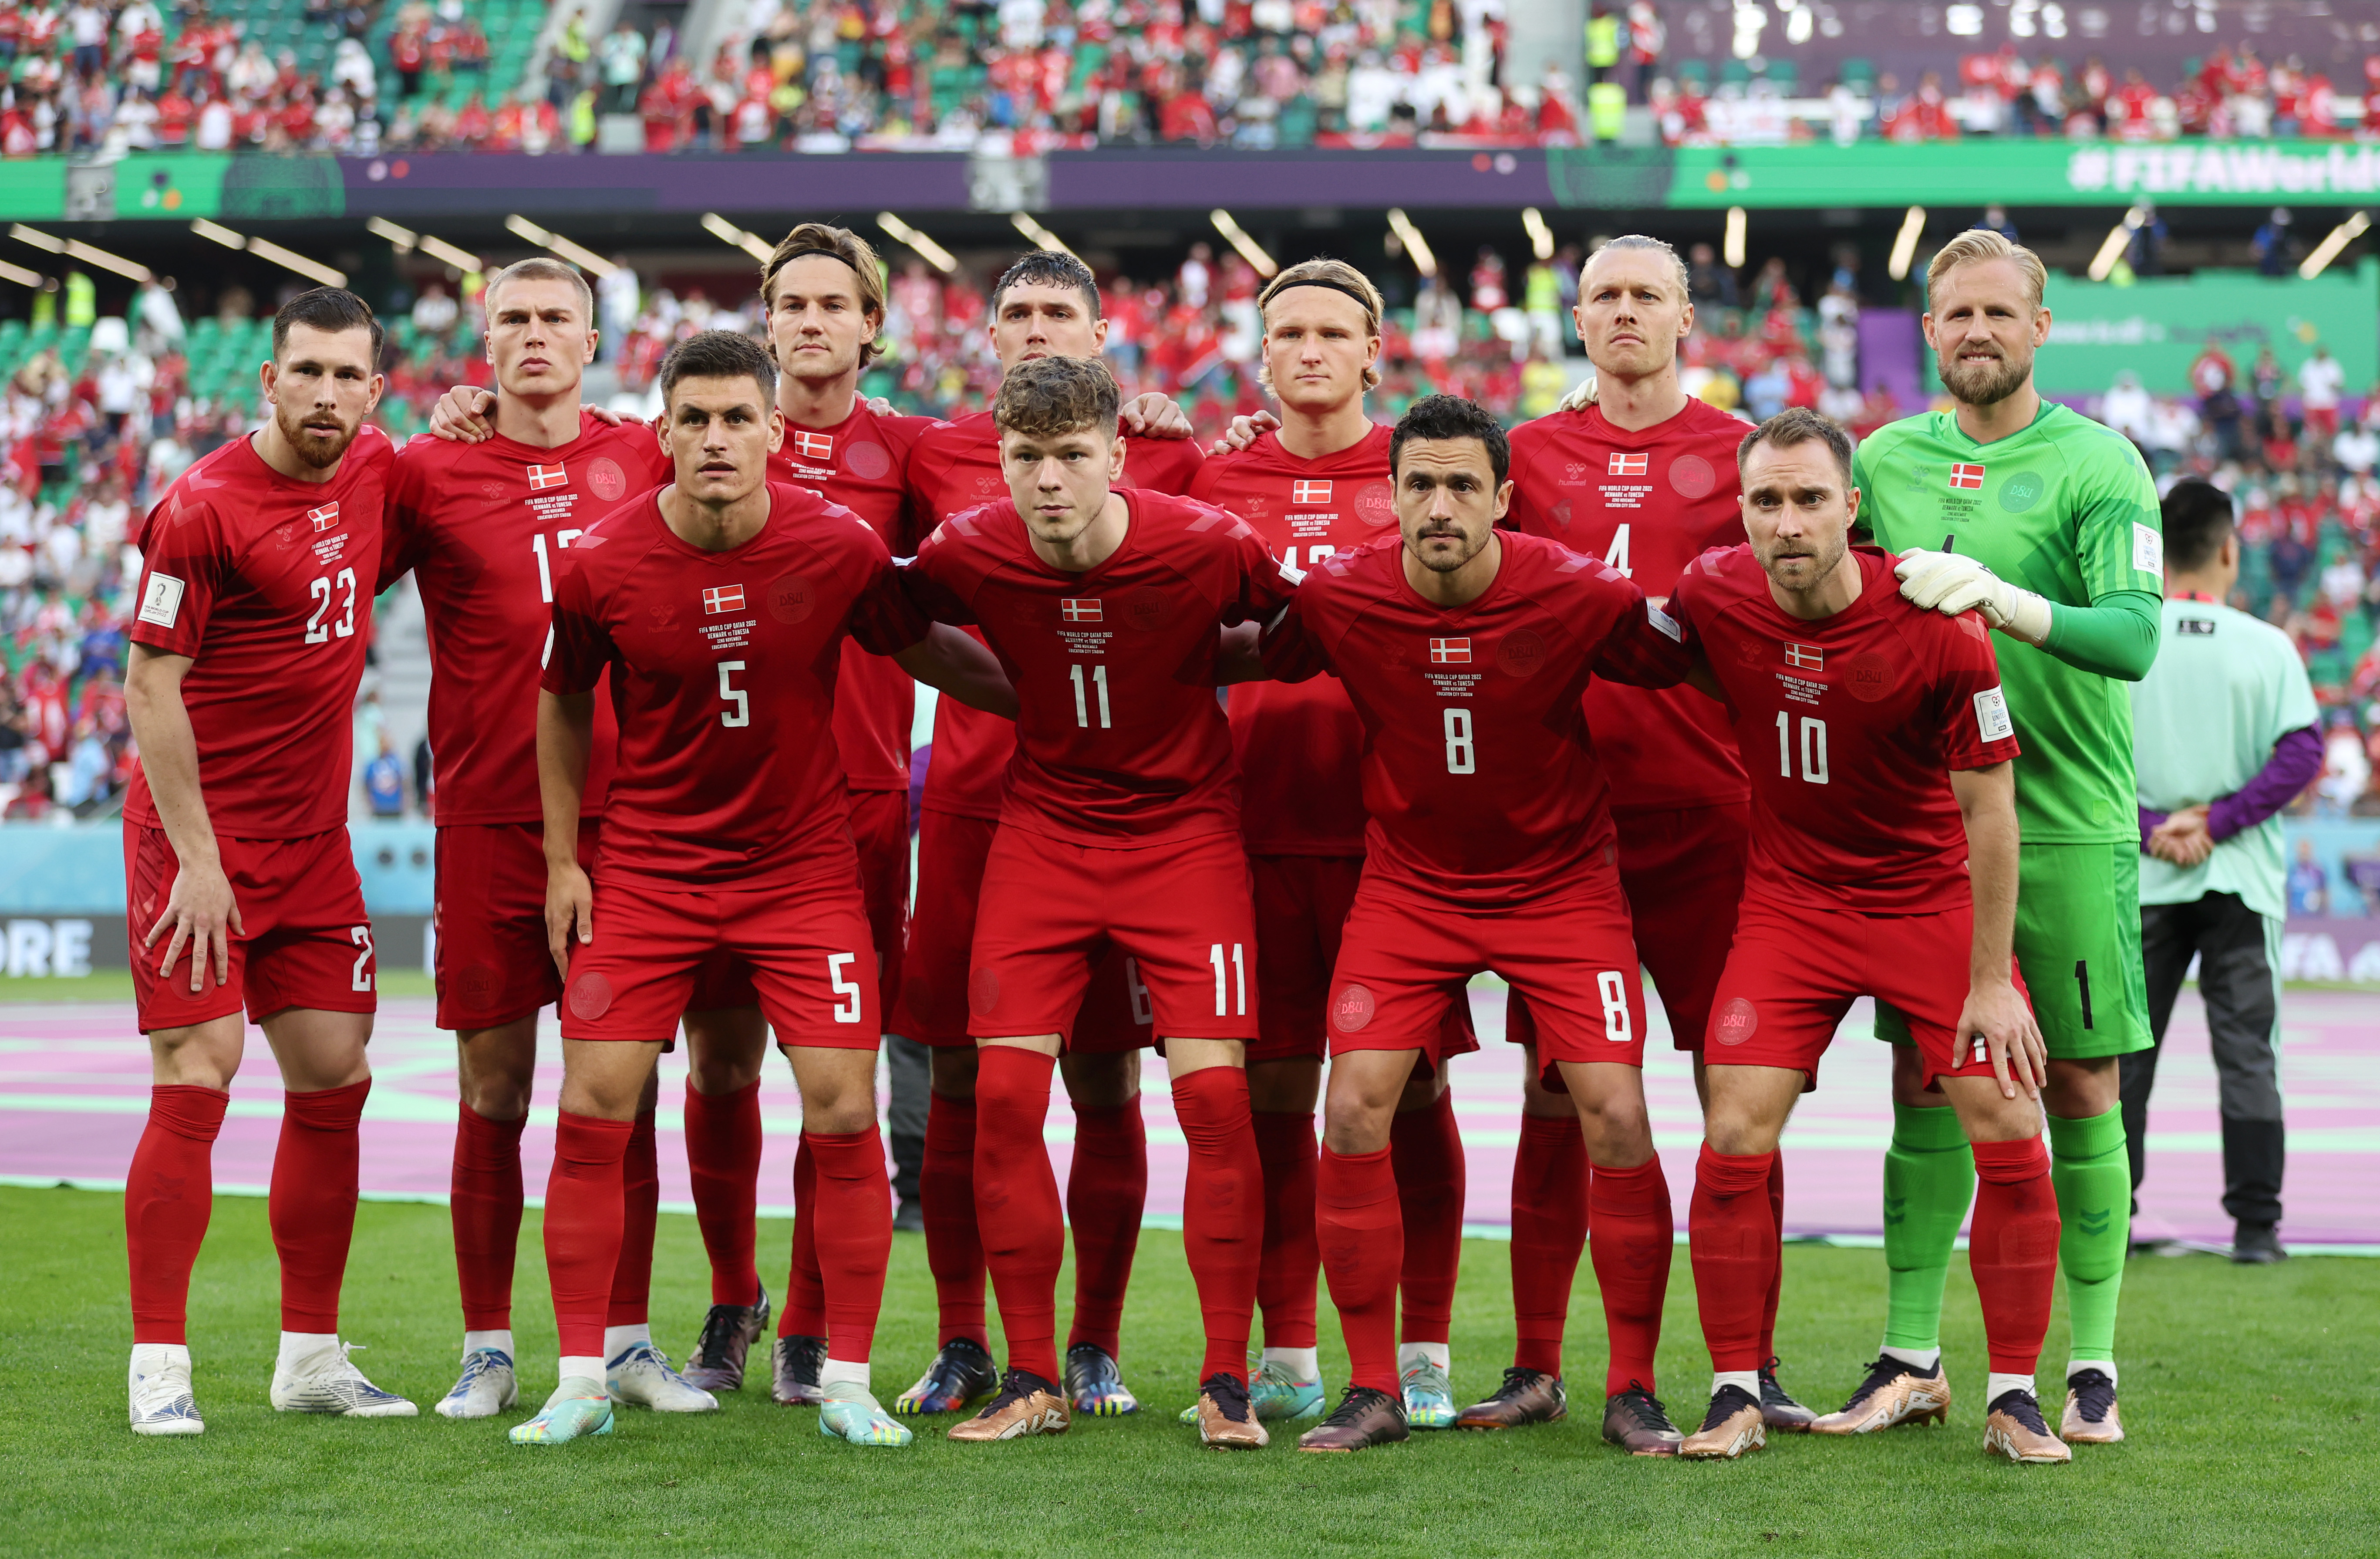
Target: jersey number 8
(1462, 758)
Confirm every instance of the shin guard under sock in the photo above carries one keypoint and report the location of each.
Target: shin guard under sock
(584, 1212)
(1635, 1239)
(1734, 1246)
(723, 1163)
(1292, 1262)
(1107, 1187)
(1223, 1211)
(312, 1201)
(2012, 1250)
(946, 1195)
(1016, 1203)
(2088, 1166)
(1929, 1178)
(1426, 1150)
(1361, 1231)
(1549, 1198)
(484, 1203)
(854, 1206)
(168, 1198)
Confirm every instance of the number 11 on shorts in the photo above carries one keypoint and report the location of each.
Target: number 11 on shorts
(1238, 985)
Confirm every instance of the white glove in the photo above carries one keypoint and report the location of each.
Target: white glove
(1949, 583)
(1580, 398)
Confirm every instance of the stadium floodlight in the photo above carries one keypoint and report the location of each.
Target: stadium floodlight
(727, 233)
(1732, 250)
(1415, 245)
(21, 277)
(2338, 238)
(1250, 250)
(1541, 238)
(1904, 243)
(439, 248)
(577, 254)
(1040, 236)
(405, 238)
(931, 253)
(265, 248)
(2112, 247)
(76, 249)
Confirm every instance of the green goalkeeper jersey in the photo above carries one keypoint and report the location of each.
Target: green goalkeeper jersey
(2065, 509)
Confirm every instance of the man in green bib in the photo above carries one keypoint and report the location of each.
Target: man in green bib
(2045, 523)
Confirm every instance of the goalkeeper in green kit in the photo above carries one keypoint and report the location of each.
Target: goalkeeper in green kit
(2045, 523)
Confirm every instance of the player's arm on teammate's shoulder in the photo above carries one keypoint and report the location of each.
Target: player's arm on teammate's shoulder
(957, 663)
(2119, 552)
(1150, 415)
(1995, 1010)
(1244, 431)
(201, 913)
(1680, 606)
(466, 414)
(1646, 648)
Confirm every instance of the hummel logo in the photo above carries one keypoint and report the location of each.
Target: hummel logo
(1896, 1210)
(2094, 1222)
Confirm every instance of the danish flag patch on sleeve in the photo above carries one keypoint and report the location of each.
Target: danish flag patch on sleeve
(543, 477)
(1962, 475)
(1450, 652)
(723, 598)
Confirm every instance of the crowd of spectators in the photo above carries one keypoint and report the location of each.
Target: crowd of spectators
(89, 76)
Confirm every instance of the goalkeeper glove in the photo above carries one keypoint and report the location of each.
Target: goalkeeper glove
(1949, 583)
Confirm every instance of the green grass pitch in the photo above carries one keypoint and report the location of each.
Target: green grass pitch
(2249, 1394)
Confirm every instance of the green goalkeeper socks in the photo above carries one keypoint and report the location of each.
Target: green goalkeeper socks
(2093, 1176)
(1929, 1178)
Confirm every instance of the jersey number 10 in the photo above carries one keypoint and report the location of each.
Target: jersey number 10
(1814, 748)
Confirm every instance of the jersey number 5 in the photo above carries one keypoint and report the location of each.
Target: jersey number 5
(729, 693)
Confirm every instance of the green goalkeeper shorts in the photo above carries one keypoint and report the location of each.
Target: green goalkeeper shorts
(2078, 943)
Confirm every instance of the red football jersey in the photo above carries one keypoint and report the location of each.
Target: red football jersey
(1120, 740)
(955, 467)
(266, 585)
(1482, 782)
(1299, 745)
(1648, 502)
(863, 464)
(482, 528)
(1853, 724)
(723, 668)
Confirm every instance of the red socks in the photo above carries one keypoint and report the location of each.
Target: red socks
(1633, 1235)
(1223, 1211)
(946, 1192)
(583, 1214)
(312, 1201)
(1016, 1203)
(1776, 1278)
(640, 1206)
(1426, 1150)
(484, 1203)
(1362, 1233)
(722, 1160)
(2012, 1250)
(168, 1195)
(1549, 1193)
(1106, 1188)
(1292, 1262)
(1734, 1249)
(854, 1207)
(803, 1313)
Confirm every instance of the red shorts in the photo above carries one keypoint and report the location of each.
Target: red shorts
(1115, 1013)
(1683, 875)
(880, 827)
(1301, 906)
(492, 959)
(1571, 959)
(805, 949)
(1796, 969)
(1051, 910)
(305, 940)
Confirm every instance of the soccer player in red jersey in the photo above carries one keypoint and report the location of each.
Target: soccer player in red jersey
(1119, 835)
(1465, 650)
(1884, 857)
(257, 567)
(1642, 476)
(1046, 305)
(1318, 487)
(483, 528)
(717, 606)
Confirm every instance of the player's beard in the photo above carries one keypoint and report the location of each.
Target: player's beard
(1444, 564)
(1984, 383)
(1824, 560)
(310, 445)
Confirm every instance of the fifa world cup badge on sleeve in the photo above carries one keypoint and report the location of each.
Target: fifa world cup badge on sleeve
(162, 602)
(1992, 722)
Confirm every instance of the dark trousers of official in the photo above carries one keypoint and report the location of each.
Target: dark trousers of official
(909, 1065)
(2236, 977)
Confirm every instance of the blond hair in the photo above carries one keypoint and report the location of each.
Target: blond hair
(539, 268)
(1627, 242)
(839, 243)
(1979, 244)
(1338, 276)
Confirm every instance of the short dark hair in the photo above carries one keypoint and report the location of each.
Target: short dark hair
(1051, 395)
(1799, 424)
(2197, 517)
(1049, 267)
(720, 354)
(1451, 417)
(331, 308)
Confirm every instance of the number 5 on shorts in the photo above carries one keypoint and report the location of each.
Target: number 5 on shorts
(1613, 989)
(847, 1006)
